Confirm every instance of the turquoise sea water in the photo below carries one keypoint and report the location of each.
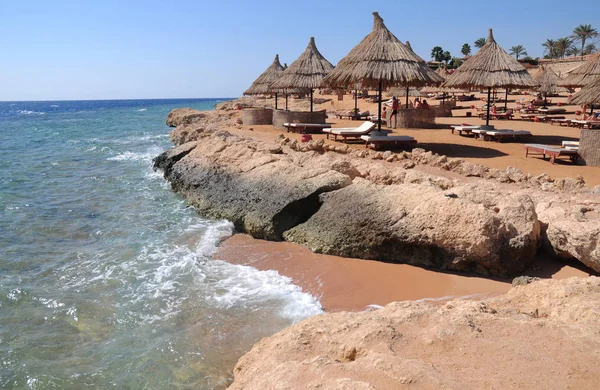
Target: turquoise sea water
(106, 276)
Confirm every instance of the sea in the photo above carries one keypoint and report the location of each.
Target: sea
(108, 278)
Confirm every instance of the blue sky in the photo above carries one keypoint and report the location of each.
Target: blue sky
(106, 49)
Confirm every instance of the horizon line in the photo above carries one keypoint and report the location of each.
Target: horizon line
(108, 99)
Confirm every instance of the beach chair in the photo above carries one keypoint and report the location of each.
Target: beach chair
(553, 152)
(302, 127)
(506, 115)
(464, 128)
(574, 145)
(350, 132)
(510, 135)
(375, 141)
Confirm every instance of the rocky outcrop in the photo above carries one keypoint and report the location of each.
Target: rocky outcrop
(539, 335)
(415, 207)
(489, 233)
(251, 184)
(572, 230)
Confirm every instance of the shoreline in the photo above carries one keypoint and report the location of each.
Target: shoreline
(347, 284)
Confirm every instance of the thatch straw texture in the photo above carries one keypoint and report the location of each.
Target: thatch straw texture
(443, 72)
(262, 85)
(401, 91)
(583, 75)
(416, 55)
(306, 73)
(490, 67)
(548, 81)
(381, 57)
(442, 89)
(590, 94)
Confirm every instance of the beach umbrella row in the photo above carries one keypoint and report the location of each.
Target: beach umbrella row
(588, 95)
(491, 67)
(583, 75)
(549, 81)
(380, 61)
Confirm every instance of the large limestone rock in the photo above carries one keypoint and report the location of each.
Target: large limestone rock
(260, 190)
(490, 233)
(572, 230)
(542, 335)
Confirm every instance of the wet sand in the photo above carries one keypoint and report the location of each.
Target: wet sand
(352, 284)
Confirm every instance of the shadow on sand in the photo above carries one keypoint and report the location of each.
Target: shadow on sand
(455, 150)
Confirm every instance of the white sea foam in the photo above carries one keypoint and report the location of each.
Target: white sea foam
(142, 109)
(28, 112)
(246, 286)
(132, 156)
(54, 105)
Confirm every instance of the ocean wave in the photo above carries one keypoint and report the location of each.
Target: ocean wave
(28, 112)
(248, 287)
(142, 110)
(132, 156)
(54, 105)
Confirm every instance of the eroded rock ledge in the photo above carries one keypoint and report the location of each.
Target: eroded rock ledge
(538, 335)
(376, 205)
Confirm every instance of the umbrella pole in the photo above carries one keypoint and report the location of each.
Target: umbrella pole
(379, 108)
(407, 97)
(487, 117)
(506, 100)
(356, 101)
(275, 100)
(591, 109)
(311, 99)
(286, 99)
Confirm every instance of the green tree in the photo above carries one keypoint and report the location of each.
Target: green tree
(582, 33)
(573, 51)
(550, 46)
(466, 50)
(480, 42)
(455, 62)
(446, 56)
(562, 45)
(437, 53)
(590, 48)
(517, 51)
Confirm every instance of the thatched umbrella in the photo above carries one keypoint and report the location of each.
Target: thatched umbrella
(590, 94)
(583, 75)
(491, 67)
(262, 85)
(306, 73)
(548, 82)
(411, 49)
(381, 61)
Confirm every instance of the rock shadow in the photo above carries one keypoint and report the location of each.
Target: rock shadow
(457, 151)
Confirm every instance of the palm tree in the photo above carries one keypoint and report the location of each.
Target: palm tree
(466, 50)
(518, 51)
(582, 33)
(573, 51)
(562, 45)
(590, 48)
(550, 46)
(480, 42)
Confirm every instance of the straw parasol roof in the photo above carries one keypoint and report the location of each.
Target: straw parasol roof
(262, 84)
(443, 71)
(491, 67)
(584, 74)
(442, 89)
(416, 55)
(381, 58)
(400, 91)
(589, 95)
(548, 81)
(307, 72)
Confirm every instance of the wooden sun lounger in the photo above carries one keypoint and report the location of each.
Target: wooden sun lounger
(560, 121)
(511, 135)
(552, 151)
(466, 129)
(527, 117)
(351, 132)
(302, 127)
(375, 141)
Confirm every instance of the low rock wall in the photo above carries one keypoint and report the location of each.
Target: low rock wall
(284, 116)
(589, 146)
(257, 116)
(416, 119)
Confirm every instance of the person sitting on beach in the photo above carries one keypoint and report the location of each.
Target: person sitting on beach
(424, 105)
(417, 103)
(394, 114)
(530, 106)
(493, 110)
